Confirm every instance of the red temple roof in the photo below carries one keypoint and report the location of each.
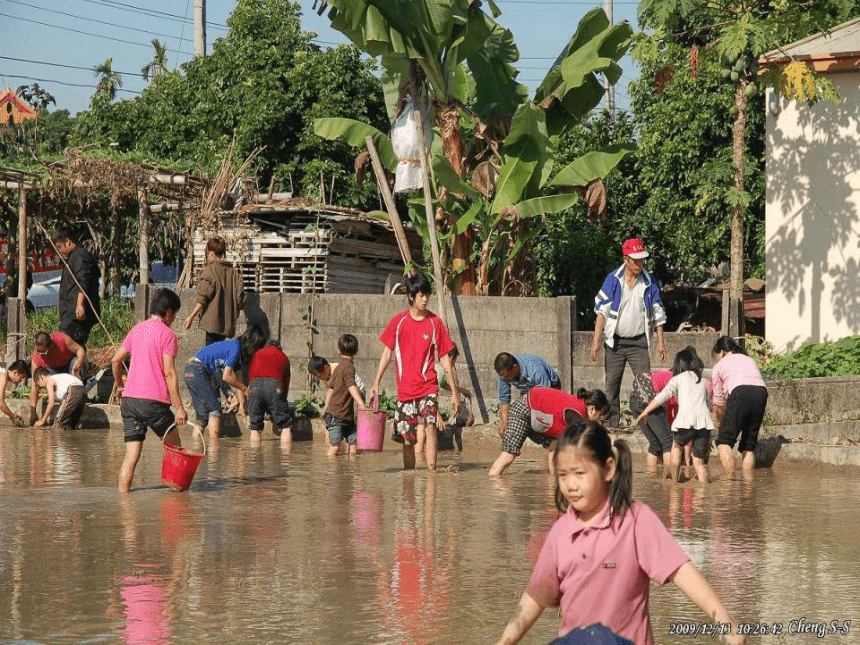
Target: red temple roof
(13, 108)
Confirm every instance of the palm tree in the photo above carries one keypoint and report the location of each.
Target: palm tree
(109, 81)
(158, 64)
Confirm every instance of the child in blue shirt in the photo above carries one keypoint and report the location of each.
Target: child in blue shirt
(202, 376)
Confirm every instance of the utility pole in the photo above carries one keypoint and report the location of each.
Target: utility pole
(610, 90)
(199, 28)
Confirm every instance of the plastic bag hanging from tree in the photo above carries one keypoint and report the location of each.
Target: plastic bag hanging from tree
(404, 140)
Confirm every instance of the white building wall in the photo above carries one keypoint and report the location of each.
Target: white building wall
(812, 217)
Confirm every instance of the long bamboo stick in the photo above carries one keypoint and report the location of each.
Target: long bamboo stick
(431, 220)
(393, 216)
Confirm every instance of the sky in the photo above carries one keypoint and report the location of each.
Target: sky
(56, 43)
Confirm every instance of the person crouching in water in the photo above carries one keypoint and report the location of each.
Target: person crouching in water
(693, 421)
(201, 376)
(268, 387)
(69, 390)
(343, 390)
(16, 373)
(539, 415)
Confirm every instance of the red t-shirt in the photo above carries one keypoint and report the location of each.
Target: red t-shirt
(416, 344)
(551, 405)
(59, 355)
(270, 362)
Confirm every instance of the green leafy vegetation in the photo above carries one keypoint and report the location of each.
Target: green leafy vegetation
(840, 358)
(308, 406)
(117, 315)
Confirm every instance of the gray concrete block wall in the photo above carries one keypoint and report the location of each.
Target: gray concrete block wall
(481, 327)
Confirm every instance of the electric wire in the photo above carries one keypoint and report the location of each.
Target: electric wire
(85, 33)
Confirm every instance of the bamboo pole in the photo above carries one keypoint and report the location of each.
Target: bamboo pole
(143, 242)
(22, 244)
(431, 220)
(393, 216)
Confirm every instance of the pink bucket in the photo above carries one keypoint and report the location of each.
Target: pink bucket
(371, 428)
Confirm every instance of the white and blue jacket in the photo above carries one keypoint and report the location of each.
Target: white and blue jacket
(606, 304)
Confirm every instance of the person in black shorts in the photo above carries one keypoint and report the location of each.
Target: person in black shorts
(152, 384)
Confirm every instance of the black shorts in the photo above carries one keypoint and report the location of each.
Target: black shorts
(267, 395)
(140, 414)
(700, 438)
(743, 416)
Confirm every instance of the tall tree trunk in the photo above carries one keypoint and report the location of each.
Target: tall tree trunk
(454, 148)
(736, 305)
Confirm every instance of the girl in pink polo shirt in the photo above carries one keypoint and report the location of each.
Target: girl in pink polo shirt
(600, 556)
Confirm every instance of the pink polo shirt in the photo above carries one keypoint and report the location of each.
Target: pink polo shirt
(733, 370)
(601, 573)
(148, 342)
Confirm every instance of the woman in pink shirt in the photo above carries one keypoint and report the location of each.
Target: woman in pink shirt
(601, 554)
(740, 399)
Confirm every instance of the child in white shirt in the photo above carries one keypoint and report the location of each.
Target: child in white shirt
(69, 390)
(693, 422)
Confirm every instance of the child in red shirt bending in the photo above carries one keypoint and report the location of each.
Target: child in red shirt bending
(416, 337)
(269, 385)
(600, 556)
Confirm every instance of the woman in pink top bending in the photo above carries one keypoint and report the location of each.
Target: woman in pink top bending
(740, 399)
(601, 554)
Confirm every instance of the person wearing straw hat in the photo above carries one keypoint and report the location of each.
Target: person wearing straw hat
(629, 310)
(152, 384)
(80, 305)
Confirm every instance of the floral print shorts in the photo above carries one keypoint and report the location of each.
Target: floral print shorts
(408, 415)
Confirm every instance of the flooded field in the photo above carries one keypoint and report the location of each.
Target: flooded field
(274, 548)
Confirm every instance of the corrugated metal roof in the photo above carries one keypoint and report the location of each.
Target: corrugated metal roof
(843, 40)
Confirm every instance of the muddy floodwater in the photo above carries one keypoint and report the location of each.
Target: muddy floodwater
(299, 548)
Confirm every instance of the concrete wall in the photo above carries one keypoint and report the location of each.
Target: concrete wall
(812, 217)
(481, 327)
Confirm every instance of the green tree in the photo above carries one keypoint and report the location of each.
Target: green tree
(574, 253)
(158, 64)
(738, 32)
(264, 81)
(109, 80)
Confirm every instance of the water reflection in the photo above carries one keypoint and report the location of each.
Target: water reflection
(268, 547)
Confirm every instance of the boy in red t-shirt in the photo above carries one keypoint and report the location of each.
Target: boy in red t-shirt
(416, 337)
(269, 384)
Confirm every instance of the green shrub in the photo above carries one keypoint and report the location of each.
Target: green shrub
(117, 315)
(841, 358)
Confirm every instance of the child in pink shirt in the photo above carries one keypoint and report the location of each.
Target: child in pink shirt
(152, 384)
(601, 554)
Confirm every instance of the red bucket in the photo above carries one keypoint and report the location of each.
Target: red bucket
(179, 465)
(371, 428)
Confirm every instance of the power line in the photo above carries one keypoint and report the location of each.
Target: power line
(42, 62)
(182, 35)
(155, 13)
(101, 22)
(86, 33)
(49, 80)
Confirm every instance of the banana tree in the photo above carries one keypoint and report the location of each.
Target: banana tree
(494, 175)
(437, 36)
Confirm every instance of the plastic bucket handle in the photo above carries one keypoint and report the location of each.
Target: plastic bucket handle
(196, 428)
(375, 402)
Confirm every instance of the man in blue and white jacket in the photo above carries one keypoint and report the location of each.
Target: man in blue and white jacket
(628, 309)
